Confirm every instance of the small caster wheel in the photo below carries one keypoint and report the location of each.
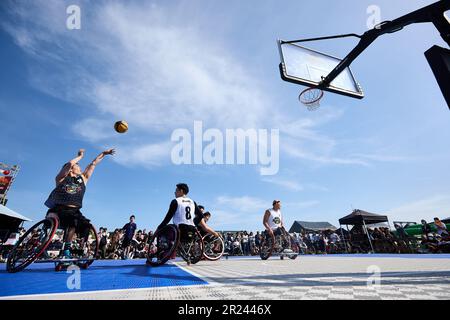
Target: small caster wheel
(83, 266)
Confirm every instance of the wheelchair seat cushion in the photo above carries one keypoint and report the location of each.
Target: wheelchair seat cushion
(187, 232)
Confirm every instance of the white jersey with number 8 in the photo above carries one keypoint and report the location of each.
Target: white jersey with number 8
(185, 212)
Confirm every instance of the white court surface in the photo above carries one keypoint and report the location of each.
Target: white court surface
(308, 277)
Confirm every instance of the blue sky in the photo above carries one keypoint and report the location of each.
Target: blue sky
(163, 65)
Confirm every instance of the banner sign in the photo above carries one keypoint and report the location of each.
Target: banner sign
(7, 175)
(4, 184)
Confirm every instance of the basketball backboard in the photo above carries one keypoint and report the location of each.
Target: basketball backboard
(308, 67)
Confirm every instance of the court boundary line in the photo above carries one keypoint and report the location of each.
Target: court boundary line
(208, 280)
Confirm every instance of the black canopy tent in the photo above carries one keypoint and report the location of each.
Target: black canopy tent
(342, 232)
(363, 218)
(358, 217)
(299, 226)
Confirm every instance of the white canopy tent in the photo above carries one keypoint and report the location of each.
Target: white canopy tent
(10, 213)
(10, 222)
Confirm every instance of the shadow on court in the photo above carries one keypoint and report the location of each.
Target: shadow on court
(338, 279)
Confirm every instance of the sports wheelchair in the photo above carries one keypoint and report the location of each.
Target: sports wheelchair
(214, 247)
(168, 240)
(282, 245)
(42, 243)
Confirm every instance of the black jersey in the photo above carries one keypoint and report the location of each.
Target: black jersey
(197, 219)
(69, 192)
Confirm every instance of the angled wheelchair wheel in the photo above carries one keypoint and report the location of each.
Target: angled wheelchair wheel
(59, 267)
(214, 247)
(191, 248)
(266, 247)
(63, 266)
(162, 245)
(290, 248)
(87, 250)
(295, 250)
(31, 245)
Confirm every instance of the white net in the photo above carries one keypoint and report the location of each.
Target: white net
(311, 98)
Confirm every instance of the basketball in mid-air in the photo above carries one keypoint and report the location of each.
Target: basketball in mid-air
(121, 126)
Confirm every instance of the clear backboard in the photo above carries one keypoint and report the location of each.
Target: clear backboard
(308, 67)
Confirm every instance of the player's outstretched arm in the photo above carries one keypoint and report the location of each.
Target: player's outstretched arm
(91, 167)
(66, 168)
(207, 229)
(77, 159)
(170, 213)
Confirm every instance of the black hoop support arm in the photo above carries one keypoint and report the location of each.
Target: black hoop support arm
(433, 13)
(322, 38)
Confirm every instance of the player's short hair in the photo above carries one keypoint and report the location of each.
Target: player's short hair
(201, 207)
(184, 187)
(207, 213)
(133, 216)
(274, 202)
(68, 164)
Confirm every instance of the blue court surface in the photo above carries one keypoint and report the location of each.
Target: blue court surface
(101, 275)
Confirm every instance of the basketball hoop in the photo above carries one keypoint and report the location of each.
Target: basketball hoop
(311, 97)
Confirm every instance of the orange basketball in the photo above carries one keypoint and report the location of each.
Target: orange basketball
(121, 126)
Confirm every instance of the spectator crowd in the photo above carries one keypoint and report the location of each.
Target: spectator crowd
(129, 242)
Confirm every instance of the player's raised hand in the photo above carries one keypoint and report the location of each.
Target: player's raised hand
(109, 152)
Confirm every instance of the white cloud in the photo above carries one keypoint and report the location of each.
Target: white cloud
(232, 220)
(238, 213)
(427, 208)
(148, 155)
(315, 187)
(242, 204)
(93, 129)
(237, 220)
(129, 62)
(246, 213)
(285, 183)
(302, 204)
(302, 139)
(321, 159)
(382, 157)
(145, 64)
